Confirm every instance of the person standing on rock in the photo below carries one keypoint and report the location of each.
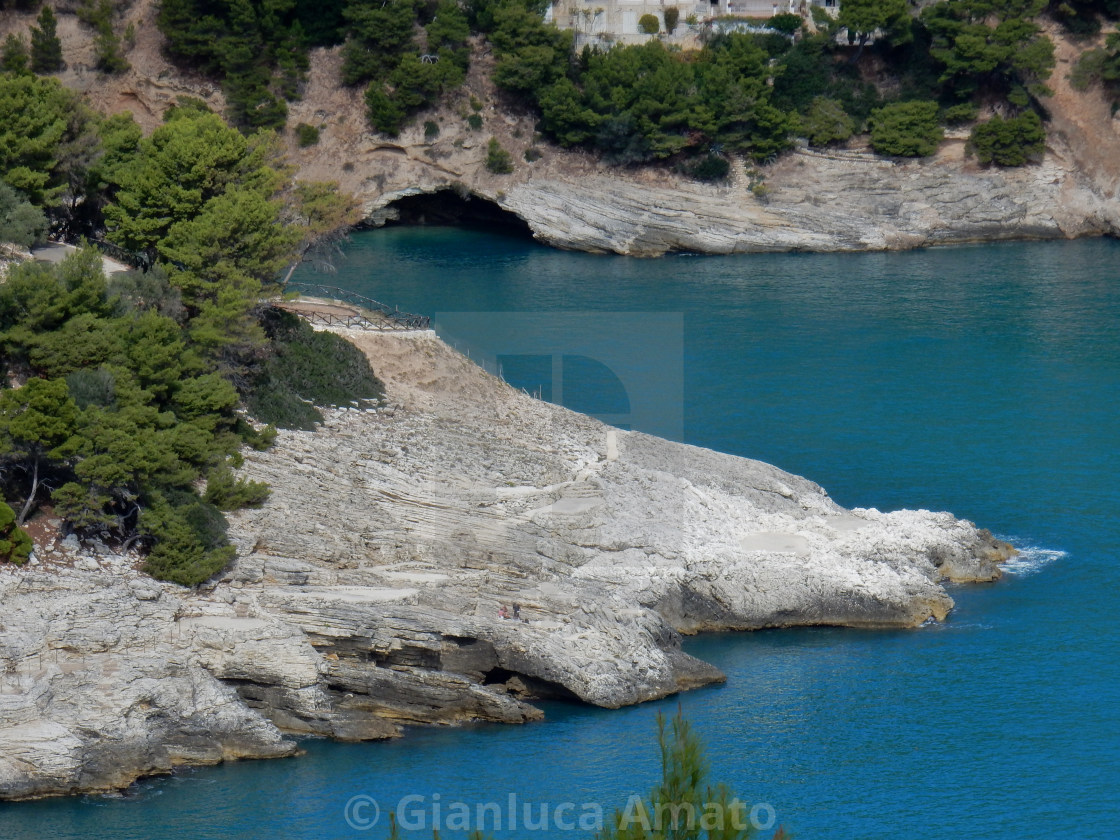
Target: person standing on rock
(502, 613)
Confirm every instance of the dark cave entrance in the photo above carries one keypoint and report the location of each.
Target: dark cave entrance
(458, 208)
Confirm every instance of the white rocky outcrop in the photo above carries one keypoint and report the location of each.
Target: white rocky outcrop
(367, 589)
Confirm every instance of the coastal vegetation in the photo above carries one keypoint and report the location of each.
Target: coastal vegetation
(257, 50)
(124, 398)
(750, 94)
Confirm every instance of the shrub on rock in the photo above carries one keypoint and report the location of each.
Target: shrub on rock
(15, 545)
(906, 129)
(1011, 142)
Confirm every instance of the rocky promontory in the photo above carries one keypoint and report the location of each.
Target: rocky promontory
(368, 589)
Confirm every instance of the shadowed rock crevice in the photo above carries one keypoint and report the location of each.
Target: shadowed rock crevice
(449, 206)
(525, 687)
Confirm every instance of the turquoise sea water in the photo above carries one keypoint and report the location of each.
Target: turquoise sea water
(982, 380)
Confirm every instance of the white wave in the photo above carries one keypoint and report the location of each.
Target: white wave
(1030, 560)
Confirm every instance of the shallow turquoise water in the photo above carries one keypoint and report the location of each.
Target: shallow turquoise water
(982, 380)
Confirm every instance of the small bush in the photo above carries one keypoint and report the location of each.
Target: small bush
(498, 160)
(306, 135)
(138, 291)
(826, 122)
(225, 492)
(961, 114)
(431, 130)
(188, 539)
(306, 369)
(186, 106)
(15, 545)
(709, 167)
(476, 105)
(15, 58)
(786, 22)
(1010, 142)
(384, 112)
(98, 15)
(906, 129)
(672, 17)
(21, 222)
(533, 154)
(475, 122)
(649, 24)
(1100, 65)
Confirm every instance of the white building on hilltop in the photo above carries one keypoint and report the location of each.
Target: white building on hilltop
(617, 20)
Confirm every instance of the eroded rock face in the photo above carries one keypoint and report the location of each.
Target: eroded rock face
(817, 202)
(367, 590)
(102, 684)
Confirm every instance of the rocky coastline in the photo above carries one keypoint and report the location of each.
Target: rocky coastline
(367, 590)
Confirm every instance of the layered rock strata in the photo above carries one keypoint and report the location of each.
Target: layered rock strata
(368, 588)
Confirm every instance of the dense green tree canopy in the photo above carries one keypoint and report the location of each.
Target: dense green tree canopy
(981, 42)
(205, 199)
(14, 55)
(258, 48)
(1009, 142)
(119, 398)
(45, 137)
(21, 222)
(405, 73)
(863, 18)
(378, 35)
(644, 102)
(906, 129)
(117, 406)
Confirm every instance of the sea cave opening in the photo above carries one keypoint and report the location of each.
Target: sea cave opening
(457, 207)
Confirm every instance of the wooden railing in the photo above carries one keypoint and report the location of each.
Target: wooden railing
(385, 317)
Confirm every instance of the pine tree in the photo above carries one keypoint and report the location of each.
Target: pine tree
(46, 48)
(14, 57)
(683, 806)
(37, 423)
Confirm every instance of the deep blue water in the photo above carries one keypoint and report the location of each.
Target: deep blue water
(982, 380)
